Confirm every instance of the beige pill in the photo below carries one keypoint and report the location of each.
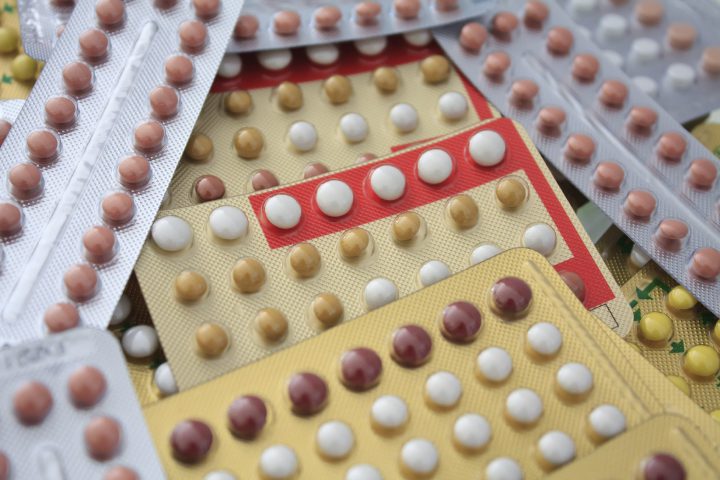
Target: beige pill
(211, 340)
(511, 193)
(248, 142)
(190, 286)
(327, 309)
(406, 226)
(248, 275)
(193, 35)
(110, 12)
(199, 148)
(354, 243)
(463, 211)
(386, 79)
(289, 96)
(80, 282)
(238, 103)
(338, 89)
(271, 325)
(681, 36)
(149, 136)
(649, 12)
(435, 69)
(711, 60)
(304, 260)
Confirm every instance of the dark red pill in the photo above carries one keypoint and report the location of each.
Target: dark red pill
(461, 321)
(308, 393)
(360, 368)
(247, 416)
(191, 441)
(411, 345)
(511, 295)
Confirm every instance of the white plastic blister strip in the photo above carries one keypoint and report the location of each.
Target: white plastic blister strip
(644, 170)
(84, 172)
(41, 23)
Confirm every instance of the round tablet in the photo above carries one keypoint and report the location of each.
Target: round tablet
(418, 38)
(419, 456)
(541, 237)
(283, 211)
(432, 272)
(494, 364)
(86, 386)
(191, 440)
(199, 148)
(366, 12)
(42, 145)
(496, 64)
(117, 208)
(271, 325)
(99, 244)
(443, 390)
(575, 283)
(120, 472)
(389, 412)
(681, 76)
(325, 54)
(705, 263)
(559, 40)
(165, 380)
(701, 361)
(680, 299)
(171, 233)
(386, 79)
(523, 92)
(535, 14)
(140, 341)
(608, 175)
(286, 22)
(406, 9)
(473, 36)
(60, 317)
(208, 188)
(642, 119)
(649, 12)
(544, 339)
(248, 143)
(461, 321)
(670, 233)
(371, 46)
(662, 466)
(702, 173)
(164, 101)
(110, 12)
(585, 67)
(487, 148)
(77, 76)
(472, 431)
(327, 309)
(511, 192)
(483, 252)
(435, 69)
(134, 171)
(363, 472)
(511, 295)
(32, 402)
(278, 462)
(556, 448)
(453, 106)
(248, 275)
(11, 219)
(211, 340)
(102, 438)
(274, 60)
(218, 475)
(613, 94)
(193, 35)
(334, 439)
(307, 392)
(503, 468)
(404, 117)
(149, 136)
(230, 66)
(304, 260)
(237, 103)
(246, 27)
(379, 292)
(247, 416)
(655, 327)
(681, 36)
(81, 282)
(647, 85)
(574, 379)
(190, 286)
(354, 243)
(337, 89)
(711, 60)
(638, 257)
(302, 136)
(607, 421)
(354, 127)
(179, 69)
(524, 406)
(60, 110)
(640, 204)
(360, 368)
(411, 346)
(314, 169)
(327, 17)
(387, 182)
(93, 44)
(406, 226)
(228, 223)
(644, 50)
(612, 26)
(503, 24)
(434, 166)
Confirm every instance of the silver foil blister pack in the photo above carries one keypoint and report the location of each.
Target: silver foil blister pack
(90, 157)
(41, 23)
(616, 144)
(69, 411)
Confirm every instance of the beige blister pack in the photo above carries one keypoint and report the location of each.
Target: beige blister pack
(267, 129)
(496, 372)
(232, 281)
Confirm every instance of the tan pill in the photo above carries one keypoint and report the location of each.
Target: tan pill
(77, 77)
(536, 12)
(504, 24)
(640, 204)
(407, 9)
(354, 243)
(386, 79)
(702, 173)
(304, 260)
(580, 147)
(463, 211)
(271, 325)
(672, 146)
(327, 309)
(199, 148)
(559, 41)
(289, 96)
(435, 69)
(327, 18)
(190, 286)
(366, 13)
(238, 103)
(642, 119)
(110, 12)
(613, 93)
(649, 12)
(511, 193)
(338, 89)
(248, 275)
(523, 92)
(550, 120)
(711, 60)
(496, 64)
(406, 226)
(681, 36)
(248, 143)
(164, 101)
(211, 340)
(60, 111)
(80, 282)
(608, 175)
(445, 5)
(206, 8)
(10, 219)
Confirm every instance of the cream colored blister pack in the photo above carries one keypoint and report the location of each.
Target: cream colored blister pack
(497, 372)
(272, 127)
(232, 281)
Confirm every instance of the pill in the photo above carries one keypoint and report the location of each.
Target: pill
(193, 35)
(494, 364)
(460, 322)
(191, 440)
(247, 416)
(496, 64)
(404, 117)
(11, 219)
(140, 341)
(463, 211)
(453, 106)
(354, 243)
(471, 432)
(487, 148)
(275, 60)
(435, 69)
(327, 17)
(550, 120)
(206, 8)
(171, 233)
(671, 233)
(649, 12)
(23, 68)
(164, 380)
(246, 27)
(334, 198)
(559, 40)
(77, 77)
(613, 94)
(363, 471)
(308, 393)
(379, 292)
(271, 325)
(86, 386)
(338, 89)
(9, 40)
(325, 54)
(411, 346)
(278, 462)
(209, 187)
(94, 44)
(117, 208)
(120, 472)
(199, 148)
(672, 146)
(614, 58)
(60, 111)
(540, 237)
(304, 260)
(406, 226)
(503, 25)
(386, 79)
(646, 84)
(60, 317)
(608, 175)
(263, 179)
(585, 67)
(655, 328)
(642, 119)
(503, 468)
(574, 380)
(134, 171)
(705, 263)
(556, 448)
(238, 103)
(211, 340)
(190, 286)
(523, 407)
(248, 275)
(701, 361)
(389, 413)
(149, 136)
(702, 173)
(387, 182)
(179, 69)
(680, 299)
(282, 211)
(32, 402)
(544, 339)
(360, 368)
(535, 14)
(663, 466)
(607, 421)
(483, 252)
(711, 60)
(432, 272)
(575, 283)
(248, 143)
(419, 457)
(640, 204)
(523, 92)
(473, 36)
(510, 192)
(367, 12)
(80, 282)
(289, 96)
(681, 36)
(612, 26)
(511, 296)
(406, 9)
(644, 50)
(42, 145)
(314, 169)
(26, 183)
(302, 136)
(5, 127)
(418, 38)
(680, 76)
(164, 101)
(371, 46)
(434, 166)
(286, 22)
(442, 390)
(580, 147)
(327, 309)
(228, 223)
(99, 244)
(110, 12)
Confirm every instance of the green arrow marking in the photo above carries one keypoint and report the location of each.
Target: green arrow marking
(633, 304)
(8, 8)
(6, 78)
(637, 315)
(707, 319)
(644, 294)
(677, 347)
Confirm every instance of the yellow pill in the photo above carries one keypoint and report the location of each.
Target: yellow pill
(680, 299)
(715, 414)
(23, 68)
(716, 332)
(680, 383)
(9, 39)
(701, 361)
(655, 327)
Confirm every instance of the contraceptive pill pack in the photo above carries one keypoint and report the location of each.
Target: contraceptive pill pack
(615, 143)
(90, 156)
(498, 369)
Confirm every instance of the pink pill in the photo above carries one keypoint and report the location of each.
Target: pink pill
(42, 145)
(327, 18)
(613, 93)
(642, 119)
(496, 64)
(702, 173)
(640, 204)
(11, 219)
(286, 22)
(60, 111)
(681, 36)
(60, 317)
(117, 208)
(80, 282)
(93, 44)
(608, 176)
(407, 9)
(649, 12)
(585, 67)
(164, 101)
(580, 147)
(134, 171)
(178, 69)
(5, 127)
(25, 181)
(671, 233)
(559, 41)
(99, 244)
(366, 13)
(711, 60)
(110, 12)
(446, 5)
(523, 92)
(149, 136)
(473, 36)
(193, 35)
(206, 8)
(246, 27)
(536, 13)
(504, 24)
(77, 77)
(672, 146)
(706, 263)
(550, 120)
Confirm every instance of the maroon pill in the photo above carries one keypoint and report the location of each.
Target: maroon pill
(461, 322)
(559, 41)
(523, 92)
(580, 147)
(209, 187)
(585, 67)
(42, 145)
(575, 283)
(134, 171)
(327, 18)
(247, 416)
(640, 204)
(613, 93)
(360, 368)
(86, 386)
(77, 77)
(60, 111)
(191, 440)
(80, 282)
(32, 403)
(25, 181)
(117, 208)
(246, 27)
(308, 393)
(110, 12)
(671, 233)
(286, 22)
(164, 101)
(672, 146)
(99, 244)
(608, 175)
(536, 12)
(206, 8)
(93, 44)
(473, 36)
(511, 296)
(411, 346)
(193, 35)
(102, 438)
(642, 119)
(263, 179)
(11, 219)
(550, 120)
(706, 263)
(496, 64)
(503, 25)
(662, 466)
(60, 317)
(120, 472)
(702, 173)
(4, 466)
(178, 69)
(149, 136)
(5, 127)
(314, 169)
(366, 13)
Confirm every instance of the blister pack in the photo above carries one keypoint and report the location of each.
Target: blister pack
(232, 281)
(17, 69)
(498, 369)
(90, 156)
(275, 127)
(669, 48)
(619, 147)
(9, 110)
(41, 23)
(69, 411)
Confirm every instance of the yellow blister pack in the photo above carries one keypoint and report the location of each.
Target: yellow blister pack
(18, 71)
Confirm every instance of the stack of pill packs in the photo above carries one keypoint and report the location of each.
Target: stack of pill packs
(359, 240)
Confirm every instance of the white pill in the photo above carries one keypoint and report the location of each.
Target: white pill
(419, 456)
(607, 421)
(219, 475)
(556, 447)
(283, 211)
(334, 198)
(432, 272)
(228, 223)
(325, 54)
(483, 252)
(582, 6)
(524, 406)
(171, 233)
(404, 117)
(614, 57)
(612, 26)
(354, 127)
(278, 462)
(434, 166)
(495, 364)
(363, 472)
(638, 257)
(487, 148)
(275, 59)
(378, 292)
(335, 439)
(574, 378)
(503, 468)
(540, 237)
(647, 85)
(472, 431)
(164, 380)
(140, 341)
(389, 412)
(387, 182)
(122, 310)
(418, 38)
(371, 46)
(453, 106)
(645, 50)
(443, 389)
(230, 66)
(303, 136)
(544, 338)
(680, 76)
